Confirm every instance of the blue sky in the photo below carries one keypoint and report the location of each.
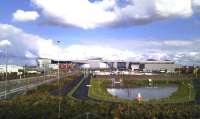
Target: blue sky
(122, 30)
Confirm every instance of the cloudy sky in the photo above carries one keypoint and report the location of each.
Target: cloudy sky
(111, 29)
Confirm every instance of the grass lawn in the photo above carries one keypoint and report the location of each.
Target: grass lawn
(183, 94)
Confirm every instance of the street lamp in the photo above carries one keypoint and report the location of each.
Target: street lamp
(6, 43)
(44, 72)
(190, 86)
(59, 105)
(6, 83)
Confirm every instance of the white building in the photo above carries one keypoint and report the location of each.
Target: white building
(10, 68)
(92, 64)
(53, 66)
(43, 62)
(150, 66)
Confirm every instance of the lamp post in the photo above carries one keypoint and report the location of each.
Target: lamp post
(195, 72)
(44, 72)
(190, 86)
(179, 71)
(25, 79)
(6, 83)
(59, 103)
(6, 43)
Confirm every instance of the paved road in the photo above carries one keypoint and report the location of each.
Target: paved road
(67, 88)
(82, 91)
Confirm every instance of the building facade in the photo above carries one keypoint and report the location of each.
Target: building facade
(10, 68)
(145, 66)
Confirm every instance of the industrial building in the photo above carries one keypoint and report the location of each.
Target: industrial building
(155, 66)
(98, 63)
(10, 68)
(145, 66)
(53, 64)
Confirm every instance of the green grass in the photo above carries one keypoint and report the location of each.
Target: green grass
(98, 90)
(183, 94)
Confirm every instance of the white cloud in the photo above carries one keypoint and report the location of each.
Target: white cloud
(83, 14)
(4, 43)
(140, 49)
(196, 3)
(88, 15)
(167, 8)
(24, 46)
(23, 16)
(30, 46)
(27, 47)
(78, 52)
(188, 57)
(177, 43)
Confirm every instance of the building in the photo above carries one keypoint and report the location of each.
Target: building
(10, 68)
(53, 64)
(43, 62)
(145, 66)
(98, 63)
(158, 66)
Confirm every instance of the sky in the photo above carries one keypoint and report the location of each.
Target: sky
(131, 30)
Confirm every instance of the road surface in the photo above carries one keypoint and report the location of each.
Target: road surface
(67, 88)
(82, 91)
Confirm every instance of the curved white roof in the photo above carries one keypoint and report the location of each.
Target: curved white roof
(95, 65)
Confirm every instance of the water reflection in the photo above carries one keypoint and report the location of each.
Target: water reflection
(147, 93)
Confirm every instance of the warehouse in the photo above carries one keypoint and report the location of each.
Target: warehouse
(158, 66)
(94, 64)
(98, 63)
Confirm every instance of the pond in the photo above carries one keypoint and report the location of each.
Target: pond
(147, 93)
